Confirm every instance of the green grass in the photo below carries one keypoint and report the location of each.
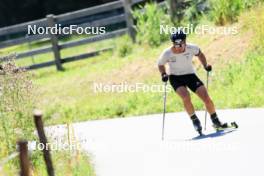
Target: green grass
(227, 11)
(16, 106)
(240, 85)
(49, 56)
(64, 163)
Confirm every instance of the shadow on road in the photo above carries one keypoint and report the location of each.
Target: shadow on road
(213, 135)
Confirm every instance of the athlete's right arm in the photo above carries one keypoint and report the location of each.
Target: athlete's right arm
(161, 65)
(164, 76)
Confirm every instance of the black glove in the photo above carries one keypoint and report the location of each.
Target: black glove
(208, 68)
(164, 77)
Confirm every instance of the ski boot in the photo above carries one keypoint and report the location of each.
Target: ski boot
(197, 126)
(218, 125)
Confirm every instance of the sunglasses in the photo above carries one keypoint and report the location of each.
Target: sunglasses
(178, 43)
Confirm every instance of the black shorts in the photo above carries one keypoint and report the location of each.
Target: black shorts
(190, 80)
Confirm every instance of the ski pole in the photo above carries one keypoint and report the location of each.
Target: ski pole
(164, 108)
(207, 77)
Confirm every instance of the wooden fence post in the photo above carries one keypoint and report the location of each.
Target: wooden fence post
(23, 157)
(55, 43)
(43, 140)
(129, 19)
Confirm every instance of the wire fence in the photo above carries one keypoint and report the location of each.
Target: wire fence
(7, 159)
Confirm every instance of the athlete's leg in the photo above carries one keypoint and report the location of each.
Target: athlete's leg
(203, 94)
(186, 99)
(179, 87)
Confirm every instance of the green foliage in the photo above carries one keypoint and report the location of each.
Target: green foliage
(177, 10)
(148, 24)
(242, 84)
(124, 46)
(225, 11)
(251, 3)
(18, 97)
(195, 11)
(16, 105)
(254, 21)
(64, 163)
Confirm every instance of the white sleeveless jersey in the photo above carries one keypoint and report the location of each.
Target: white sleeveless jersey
(179, 64)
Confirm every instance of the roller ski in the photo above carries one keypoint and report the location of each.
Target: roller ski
(219, 126)
(226, 126)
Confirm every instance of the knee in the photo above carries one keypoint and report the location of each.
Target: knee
(186, 98)
(207, 100)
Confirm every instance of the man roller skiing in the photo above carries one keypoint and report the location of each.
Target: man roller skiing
(182, 75)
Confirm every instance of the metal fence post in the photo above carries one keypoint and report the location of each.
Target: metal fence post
(129, 19)
(55, 43)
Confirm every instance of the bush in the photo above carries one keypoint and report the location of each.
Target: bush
(148, 24)
(124, 46)
(254, 21)
(225, 11)
(250, 3)
(241, 84)
(16, 105)
(194, 13)
(17, 95)
(178, 9)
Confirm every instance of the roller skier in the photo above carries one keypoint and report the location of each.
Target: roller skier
(181, 76)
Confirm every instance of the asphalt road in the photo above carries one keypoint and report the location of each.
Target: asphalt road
(133, 147)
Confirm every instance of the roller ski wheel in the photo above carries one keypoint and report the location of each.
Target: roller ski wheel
(225, 126)
(234, 124)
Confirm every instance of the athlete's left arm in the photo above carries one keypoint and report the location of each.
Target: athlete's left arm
(202, 58)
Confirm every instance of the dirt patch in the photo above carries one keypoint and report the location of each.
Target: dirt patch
(223, 48)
